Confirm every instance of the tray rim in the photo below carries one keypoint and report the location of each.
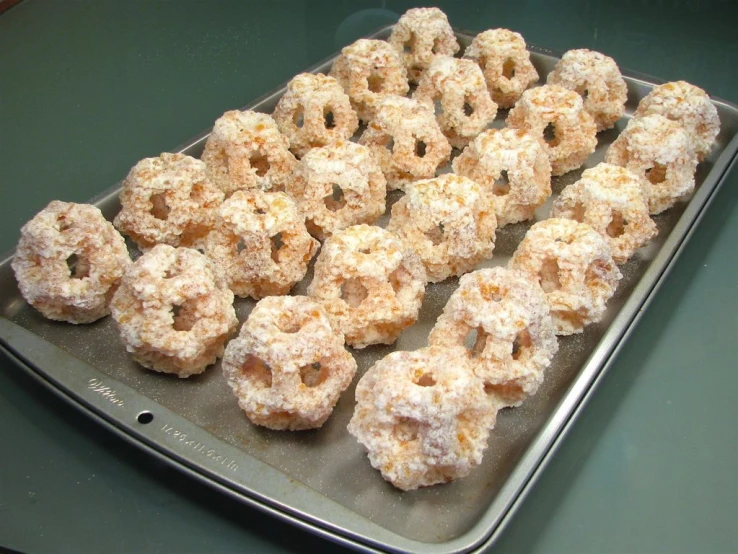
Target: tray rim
(566, 414)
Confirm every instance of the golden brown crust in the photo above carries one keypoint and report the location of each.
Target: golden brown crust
(507, 316)
(370, 70)
(314, 111)
(574, 267)
(609, 199)
(514, 170)
(449, 221)
(554, 107)
(288, 366)
(597, 79)
(261, 242)
(420, 35)
(406, 140)
(337, 186)
(69, 261)
(505, 61)
(168, 200)
(174, 311)
(423, 417)
(370, 282)
(660, 153)
(458, 89)
(246, 151)
(689, 106)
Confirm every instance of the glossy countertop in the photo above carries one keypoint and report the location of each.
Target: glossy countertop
(89, 88)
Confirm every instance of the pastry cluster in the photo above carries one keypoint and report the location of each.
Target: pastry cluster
(276, 195)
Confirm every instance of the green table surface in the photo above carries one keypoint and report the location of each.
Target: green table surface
(89, 88)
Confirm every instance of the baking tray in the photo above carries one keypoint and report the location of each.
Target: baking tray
(321, 480)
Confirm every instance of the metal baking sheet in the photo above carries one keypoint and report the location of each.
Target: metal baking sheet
(321, 480)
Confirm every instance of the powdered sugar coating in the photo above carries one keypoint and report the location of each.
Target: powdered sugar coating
(288, 366)
(688, 105)
(369, 70)
(449, 221)
(246, 151)
(505, 61)
(515, 338)
(608, 198)
(406, 140)
(513, 168)
(69, 261)
(597, 79)
(574, 130)
(314, 111)
(337, 186)
(574, 266)
(420, 35)
(261, 242)
(370, 282)
(168, 200)
(660, 153)
(174, 311)
(423, 417)
(459, 88)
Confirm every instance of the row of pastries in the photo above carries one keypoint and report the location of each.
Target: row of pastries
(310, 181)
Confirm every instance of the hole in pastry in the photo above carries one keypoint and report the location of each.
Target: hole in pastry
(468, 109)
(313, 374)
(501, 186)
(260, 211)
(436, 45)
(406, 429)
(475, 341)
(64, 225)
(277, 244)
(521, 343)
(328, 118)
(198, 193)
(375, 82)
(171, 272)
(548, 277)
(78, 267)
(409, 45)
(508, 68)
(617, 224)
(424, 379)
(336, 200)
(550, 135)
(364, 250)
(435, 234)
(420, 147)
(593, 277)
(396, 279)
(657, 174)
(257, 372)
(183, 316)
(353, 292)
(298, 118)
(566, 239)
(585, 94)
(389, 144)
(260, 163)
(437, 108)
(159, 208)
(577, 212)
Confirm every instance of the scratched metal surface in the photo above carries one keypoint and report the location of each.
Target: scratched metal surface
(328, 460)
